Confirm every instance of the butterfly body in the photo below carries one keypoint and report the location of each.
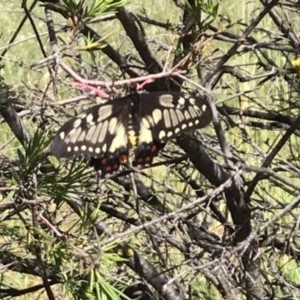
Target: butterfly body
(144, 122)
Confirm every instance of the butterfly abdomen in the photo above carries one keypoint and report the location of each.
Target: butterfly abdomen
(133, 123)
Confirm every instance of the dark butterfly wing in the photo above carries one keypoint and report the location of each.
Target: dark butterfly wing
(163, 115)
(100, 133)
(105, 132)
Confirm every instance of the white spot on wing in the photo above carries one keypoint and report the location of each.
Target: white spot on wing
(156, 115)
(192, 101)
(181, 101)
(187, 115)
(81, 136)
(204, 107)
(103, 131)
(169, 134)
(174, 118)
(104, 112)
(69, 135)
(83, 147)
(69, 148)
(145, 134)
(76, 148)
(74, 135)
(62, 135)
(97, 150)
(167, 119)
(91, 149)
(150, 120)
(166, 100)
(77, 123)
(120, 140)
(112, 125)
(90, 119)
(192, 112)
(162, 135)
(145, 122)
(198, 110)
(94, 137)
(180, 116)
(90, 133)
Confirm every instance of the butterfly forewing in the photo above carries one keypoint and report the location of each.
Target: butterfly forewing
(165, 115)
(99, 131)
(171, 114)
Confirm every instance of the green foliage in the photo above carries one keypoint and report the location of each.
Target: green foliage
(210, 8)
(256, 89)
(99, 7)
(35, 152)
(85, 11)
(60, 184)
(87, 281)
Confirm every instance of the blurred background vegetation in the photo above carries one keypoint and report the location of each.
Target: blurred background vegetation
(216, 216)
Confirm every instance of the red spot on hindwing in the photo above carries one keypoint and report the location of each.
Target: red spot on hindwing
(145, 152)
(110, 162)
(123, 158)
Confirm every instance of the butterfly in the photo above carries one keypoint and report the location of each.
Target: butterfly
(104, 133)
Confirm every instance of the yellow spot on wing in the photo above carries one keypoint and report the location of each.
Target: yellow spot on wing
(132, 139)
(120, 140)
(156, 115)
